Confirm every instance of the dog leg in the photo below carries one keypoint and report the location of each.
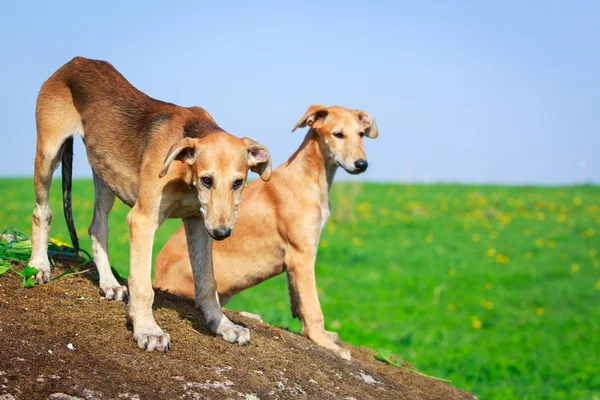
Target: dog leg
(305, 300)
(47, 159)
(105, 199)
(207, 298)
(146, 332)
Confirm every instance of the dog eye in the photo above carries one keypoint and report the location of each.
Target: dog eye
(207, 181)
(237, 184)
(339, 135)
(362, 134)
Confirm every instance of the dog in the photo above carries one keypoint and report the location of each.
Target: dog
(280, 223)
(163, 161)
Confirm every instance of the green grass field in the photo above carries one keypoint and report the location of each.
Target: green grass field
(496, 288)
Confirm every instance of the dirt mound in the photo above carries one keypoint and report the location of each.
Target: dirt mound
(64, 338)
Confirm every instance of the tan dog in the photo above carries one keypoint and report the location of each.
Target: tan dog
(162, 160)
(280, 223)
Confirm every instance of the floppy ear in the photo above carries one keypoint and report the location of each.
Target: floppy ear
(314, 117)
(184, 150)
(259, 159)
(368, 123)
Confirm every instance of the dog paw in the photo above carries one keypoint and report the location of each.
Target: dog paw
(233, 333)
(43, 267)
(153, 341)
(118, 293)
(250, 315)
(343, 353)
(333, 336)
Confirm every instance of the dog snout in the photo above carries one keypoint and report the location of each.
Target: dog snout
(361, 164)
(221, 233)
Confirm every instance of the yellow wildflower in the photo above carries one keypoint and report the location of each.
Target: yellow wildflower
(489, 286)
(598, 285)
(476, 237)
(540, 216)
(60, 243)
(561, 218)
(502, 259)
(588, 232)
(491, 252)
(575, 267)
(429, 238)
(539, 242)
(577, 201)
(487, 304)
(540, 311)
(475, 322)
(452, 272)
(452, 307)
(551, 244)
(324, 243)
(357, 242)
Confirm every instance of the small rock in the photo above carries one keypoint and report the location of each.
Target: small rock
(7, 397)
(62, 396)
(91, 394)
(280, 385)
(70, 346)
(251, 396)
(314, 382)
(50, 351)
(368, 378)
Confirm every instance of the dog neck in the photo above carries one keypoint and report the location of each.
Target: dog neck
(315, 163)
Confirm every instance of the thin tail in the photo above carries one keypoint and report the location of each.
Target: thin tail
(67, 174)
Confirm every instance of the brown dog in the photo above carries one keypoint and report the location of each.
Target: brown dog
(162, 160)
(280, 223)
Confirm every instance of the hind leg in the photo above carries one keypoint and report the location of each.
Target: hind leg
(105, 199)
(47, 159)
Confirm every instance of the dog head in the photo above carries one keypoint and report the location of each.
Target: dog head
(219, 164)
(341, 133)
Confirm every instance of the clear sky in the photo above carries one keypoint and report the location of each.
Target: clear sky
(462, 91)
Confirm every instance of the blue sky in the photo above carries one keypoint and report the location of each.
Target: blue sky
(462, 91)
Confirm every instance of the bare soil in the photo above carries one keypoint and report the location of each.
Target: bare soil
(64, 339)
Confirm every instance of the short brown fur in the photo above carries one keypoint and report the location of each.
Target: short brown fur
(132, 143)
(280, 222)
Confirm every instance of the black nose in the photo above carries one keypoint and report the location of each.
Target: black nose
(221, 233)
(361, 164)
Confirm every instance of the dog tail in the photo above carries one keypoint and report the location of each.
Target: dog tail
(67, 175)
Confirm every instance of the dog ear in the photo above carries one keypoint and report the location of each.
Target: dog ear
(259, 159)
(184, 150)
(314, 117)
(368, 123)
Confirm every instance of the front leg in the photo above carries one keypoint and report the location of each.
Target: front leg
(200, 251)
(146, 332)
(305, 300)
